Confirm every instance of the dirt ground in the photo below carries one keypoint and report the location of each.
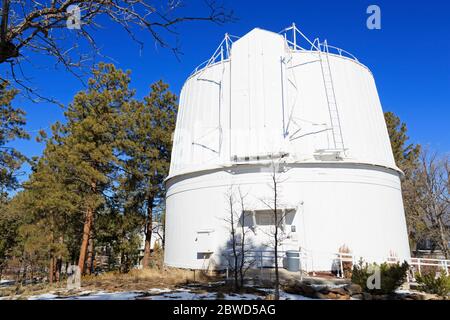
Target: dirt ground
(135, 280)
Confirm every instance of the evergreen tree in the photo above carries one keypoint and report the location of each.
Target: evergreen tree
(88, 143)
(147, 148)
(100, 177)
(12, 122)
(406, 157)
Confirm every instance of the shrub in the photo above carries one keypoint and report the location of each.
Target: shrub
(392, 276)
(431, 283)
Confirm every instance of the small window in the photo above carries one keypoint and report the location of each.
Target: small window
(265, 218)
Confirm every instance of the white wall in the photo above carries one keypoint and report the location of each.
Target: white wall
(357, 207)
(268, 99)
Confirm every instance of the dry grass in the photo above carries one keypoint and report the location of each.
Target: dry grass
(24, 291)
(135, 280)
(144, 279)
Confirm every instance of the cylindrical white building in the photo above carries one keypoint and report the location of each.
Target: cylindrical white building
(314, 113)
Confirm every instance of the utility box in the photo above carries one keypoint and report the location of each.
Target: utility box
(205, 241)
(293, 260)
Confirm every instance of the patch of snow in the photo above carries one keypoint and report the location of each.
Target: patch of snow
(403, 291)
(45, 296)
(161, 294)
(107, 296)
(291, 296)
(245, 296)
(100, 295)
(160, 290)
(6, 282)
(286, 296)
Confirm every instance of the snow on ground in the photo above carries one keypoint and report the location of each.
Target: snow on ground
(88, 296)
(291, 296)
(158, 294)
(5, 282)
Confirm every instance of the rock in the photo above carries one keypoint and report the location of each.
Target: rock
(297, 288)
(307, 289)
(331, 295)
(367, 296)
(423, 296)
(353, 289)
(358, 296)
(220, 296)
(269, 297)
(324, 290)
(320, 295)
(317, 292)
(339, 291)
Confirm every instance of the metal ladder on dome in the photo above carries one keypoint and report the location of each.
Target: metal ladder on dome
(331, 98)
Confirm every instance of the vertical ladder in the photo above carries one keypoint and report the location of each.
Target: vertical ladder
(331, 97)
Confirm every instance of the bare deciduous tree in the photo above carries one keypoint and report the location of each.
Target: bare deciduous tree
(240, 246)
(430, 187)
(273, 203)
(42, 27)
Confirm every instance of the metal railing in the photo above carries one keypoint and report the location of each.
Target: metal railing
(292, 34)
(265, 258)
(221, 54)
(419, 263)
(223, 51)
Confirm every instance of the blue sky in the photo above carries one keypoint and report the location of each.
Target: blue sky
(409, 57)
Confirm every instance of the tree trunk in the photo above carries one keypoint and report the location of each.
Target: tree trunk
(58, 269)
(148, 233)
(444, 242)
(243, 253)
(85, 241)
(233, 243)
(163, 240)
(90, 254)
(4, 21)
(277, 275)
(88, 223)
(51, 270)
(59, 262)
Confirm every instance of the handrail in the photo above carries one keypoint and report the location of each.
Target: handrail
(342, 52)
(316, 45)
(222, 52)
(224, 48)
(307, 256)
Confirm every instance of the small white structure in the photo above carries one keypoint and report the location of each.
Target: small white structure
(312, 108)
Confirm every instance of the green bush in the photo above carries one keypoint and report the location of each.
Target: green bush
(391, 277)
(430, 283)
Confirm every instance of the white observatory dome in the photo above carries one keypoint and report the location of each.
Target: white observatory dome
(313, 110)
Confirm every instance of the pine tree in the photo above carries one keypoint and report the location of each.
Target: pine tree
(406, 157)
(12, 122)
(147, 148)
(88, 143)
(98, 183)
